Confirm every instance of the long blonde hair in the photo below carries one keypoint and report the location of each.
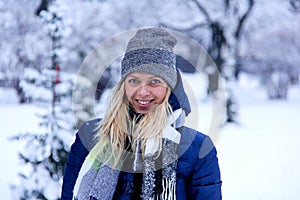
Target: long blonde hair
(117, 124)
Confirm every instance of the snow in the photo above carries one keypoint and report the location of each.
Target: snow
(14, 119)
(258, 157)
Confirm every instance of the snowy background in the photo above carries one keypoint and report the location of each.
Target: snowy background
(254, 43)
(259, 157)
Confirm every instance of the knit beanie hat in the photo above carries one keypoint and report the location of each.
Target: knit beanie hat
(150, 50)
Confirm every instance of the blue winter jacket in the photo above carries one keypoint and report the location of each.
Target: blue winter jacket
(198, 173)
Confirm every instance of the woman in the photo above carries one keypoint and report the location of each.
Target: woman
(140, 149)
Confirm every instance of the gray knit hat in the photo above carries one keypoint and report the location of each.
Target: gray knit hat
(151, 51)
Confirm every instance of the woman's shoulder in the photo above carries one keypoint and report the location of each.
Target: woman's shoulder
(191, 136)
(194, 143)
(88, 131)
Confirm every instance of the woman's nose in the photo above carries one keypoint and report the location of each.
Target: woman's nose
(143, 90)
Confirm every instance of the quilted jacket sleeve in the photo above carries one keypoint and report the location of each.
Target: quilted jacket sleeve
(84, 142)
(75, 160)
(205, 181)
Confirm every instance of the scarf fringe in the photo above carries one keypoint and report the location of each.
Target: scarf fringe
(169, 190)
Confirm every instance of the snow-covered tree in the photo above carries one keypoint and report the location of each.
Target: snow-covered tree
(271, 49)
(45, 151)
(23, 42)
(274, 60)
(219, 24)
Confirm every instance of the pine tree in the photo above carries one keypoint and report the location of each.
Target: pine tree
(45, 151)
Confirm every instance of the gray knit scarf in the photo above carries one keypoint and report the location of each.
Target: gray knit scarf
(100, 183)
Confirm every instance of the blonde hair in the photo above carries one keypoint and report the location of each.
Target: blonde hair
(117, 124)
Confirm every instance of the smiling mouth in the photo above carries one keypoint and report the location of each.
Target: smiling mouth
(143, 102)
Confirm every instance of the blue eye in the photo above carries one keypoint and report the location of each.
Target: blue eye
(132, 80)
(155, 81)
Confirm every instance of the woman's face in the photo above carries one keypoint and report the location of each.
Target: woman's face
(145, 91)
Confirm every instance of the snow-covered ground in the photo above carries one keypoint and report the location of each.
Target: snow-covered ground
(15, 119)
(258, 158)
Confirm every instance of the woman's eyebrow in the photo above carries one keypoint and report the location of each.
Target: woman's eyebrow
(154, 77)
(132, 76)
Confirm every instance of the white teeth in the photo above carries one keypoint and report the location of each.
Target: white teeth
(143, 102)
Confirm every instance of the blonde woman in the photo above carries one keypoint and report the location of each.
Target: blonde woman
(140, 149)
